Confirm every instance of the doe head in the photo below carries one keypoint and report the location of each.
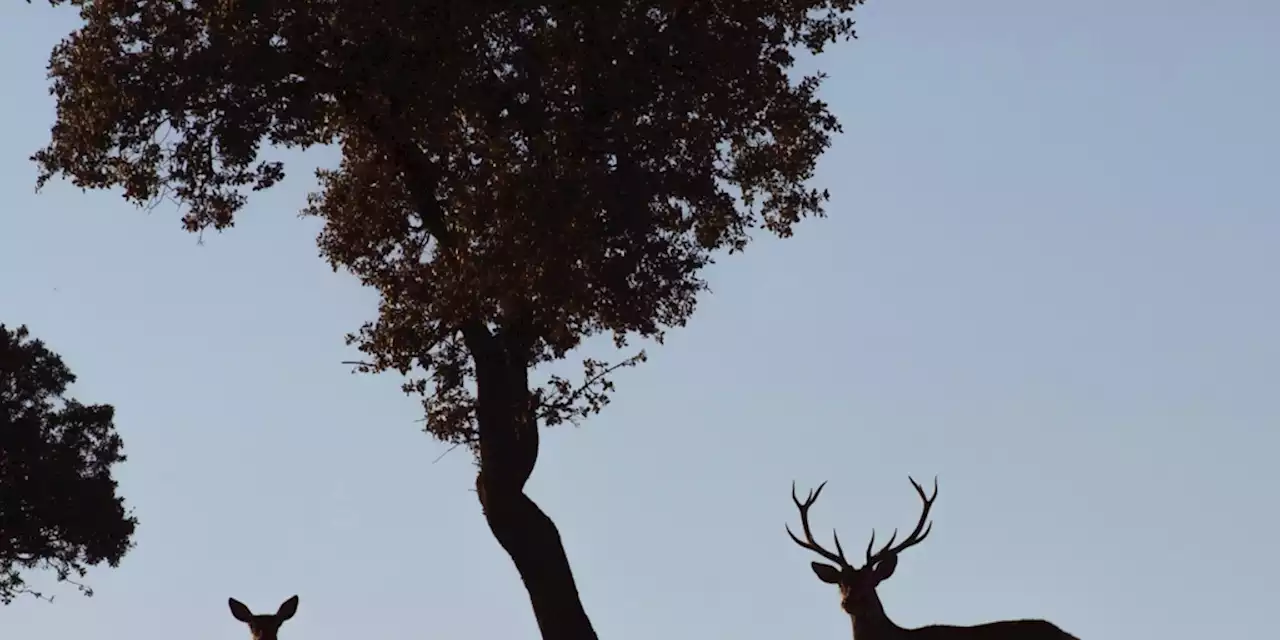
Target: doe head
(858, 584)
(264, 627)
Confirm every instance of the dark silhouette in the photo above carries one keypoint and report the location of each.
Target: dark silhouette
(264, 627)
(858, 586)
(59, 510)
(515, 177)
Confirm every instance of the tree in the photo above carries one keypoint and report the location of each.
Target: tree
(516, 177)
(59, 509)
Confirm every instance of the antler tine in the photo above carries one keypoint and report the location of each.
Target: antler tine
(871, 557)
(835, 536)
(809, 543)
(921, 531)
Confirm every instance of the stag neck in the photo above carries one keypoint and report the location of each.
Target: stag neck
(873, 624)
(876, 629)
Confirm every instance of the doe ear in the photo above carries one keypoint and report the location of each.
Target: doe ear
(240, 611)
(826, 572)
(885, 568)
(287, 609)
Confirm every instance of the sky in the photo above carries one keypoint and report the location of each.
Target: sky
(1047, 277)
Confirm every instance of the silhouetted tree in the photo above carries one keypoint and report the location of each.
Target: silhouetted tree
(58, 505)
(516, 177)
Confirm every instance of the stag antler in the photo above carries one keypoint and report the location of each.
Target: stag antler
(809, 543)
(917, 535)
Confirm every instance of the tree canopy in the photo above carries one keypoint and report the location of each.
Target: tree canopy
(516, 177)
(59, 509)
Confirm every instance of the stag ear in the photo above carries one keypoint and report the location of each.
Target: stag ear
(884, 568)
(287, 609)
(240, 611)
(826, 572)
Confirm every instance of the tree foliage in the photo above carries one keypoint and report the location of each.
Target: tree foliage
(516, 177)
(59, 509)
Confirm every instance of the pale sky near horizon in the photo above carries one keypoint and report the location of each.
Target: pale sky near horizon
(1048, 277)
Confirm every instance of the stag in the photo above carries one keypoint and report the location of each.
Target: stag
(858, 585)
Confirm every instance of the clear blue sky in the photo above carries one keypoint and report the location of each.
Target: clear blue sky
(1048, 276)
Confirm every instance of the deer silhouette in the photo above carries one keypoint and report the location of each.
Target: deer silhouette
(858, 595)
(264, 627)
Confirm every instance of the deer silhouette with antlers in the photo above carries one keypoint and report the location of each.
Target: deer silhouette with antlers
(858, 585)
(264, 627)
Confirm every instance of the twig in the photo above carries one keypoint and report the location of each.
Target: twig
(446, 452)
(567, 401)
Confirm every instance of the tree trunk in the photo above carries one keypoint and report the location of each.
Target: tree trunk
(533, 542)
(505, 417)
(508, 452)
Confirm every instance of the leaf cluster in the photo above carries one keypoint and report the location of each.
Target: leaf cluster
(552, 170)
(59, 509)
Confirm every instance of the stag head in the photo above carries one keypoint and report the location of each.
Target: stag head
(858, 584)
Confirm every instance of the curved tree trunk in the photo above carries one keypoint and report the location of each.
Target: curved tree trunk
(504, 414)
(508, 452)
(533, 542)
